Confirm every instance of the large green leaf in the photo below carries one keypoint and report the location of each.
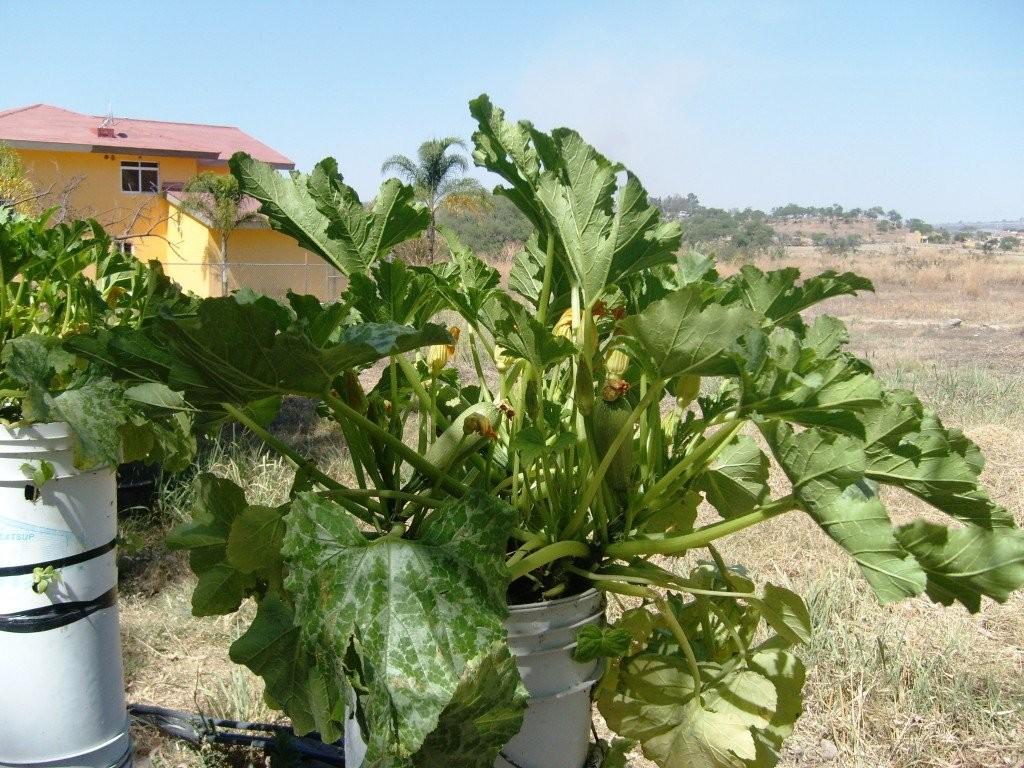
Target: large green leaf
(806, 382)
(392, 292)
(678, 335)
(568, 190)
(246, 352)
(468, 285)
(787, 673)
(93, 406)
(301, 680)
(291, 209)
(579, 201)
(485, 711)
(778, 296)
(824, 469)
(656, 702)
(506, 148)
(642, 240)
(968, 563)
(325, 215)
(222, 584)
(417, 613)
(522, 335)
(907, 446)
(737, 480)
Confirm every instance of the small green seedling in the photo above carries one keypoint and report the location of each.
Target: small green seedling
(39, 474)
(44, 578)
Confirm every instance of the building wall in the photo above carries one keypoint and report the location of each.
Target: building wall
(89, 185)
(273, 263)
(187, 254)
(259, 258)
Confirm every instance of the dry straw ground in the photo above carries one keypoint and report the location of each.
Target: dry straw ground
(911, 685)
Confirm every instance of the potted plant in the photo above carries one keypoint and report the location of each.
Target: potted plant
(64, 426)
(459, 583)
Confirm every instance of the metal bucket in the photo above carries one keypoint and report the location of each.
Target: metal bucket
(556, 729)
(61, 678)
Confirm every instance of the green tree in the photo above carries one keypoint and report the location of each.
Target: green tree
(1009, 243)
(438, 175)
(15, 188)
(917, 225)
(217, 198)
(490, 230)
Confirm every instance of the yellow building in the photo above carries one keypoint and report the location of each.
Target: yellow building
(128, 174)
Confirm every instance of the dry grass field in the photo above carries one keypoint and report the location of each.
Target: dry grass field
(906, 686)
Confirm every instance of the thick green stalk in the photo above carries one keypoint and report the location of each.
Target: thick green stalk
(384, 493)
(549, 554)
(704, 452)
(416, 460)
(684, 643)
(545, 289)
(597, 479)
(289, 453)
(281, 447)
(674, 545)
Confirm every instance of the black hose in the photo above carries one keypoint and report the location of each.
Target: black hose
(198, 729)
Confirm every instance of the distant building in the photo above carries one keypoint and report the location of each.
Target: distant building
(128, 174)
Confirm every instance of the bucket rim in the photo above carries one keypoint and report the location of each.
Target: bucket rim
(47, 430)
(592, 618)
(589, 594)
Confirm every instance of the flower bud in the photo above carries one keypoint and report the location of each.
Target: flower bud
(686, 388)
(564, 326)
(478, 424)
(502, 361)
(616, 363)
(439, 354)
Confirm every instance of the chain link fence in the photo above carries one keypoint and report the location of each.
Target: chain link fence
(270, 279)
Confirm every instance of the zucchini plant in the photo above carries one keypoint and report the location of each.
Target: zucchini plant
(618, 388)
(46, 298)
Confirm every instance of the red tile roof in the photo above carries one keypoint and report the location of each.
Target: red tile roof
(43, 124)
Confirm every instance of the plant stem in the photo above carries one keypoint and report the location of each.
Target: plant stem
(680, 636)
(416, 460)
(360, 493)
(703, 452)
(594, 485)
(549, 554)
(545, 290)
(674, 545)
(281, 447)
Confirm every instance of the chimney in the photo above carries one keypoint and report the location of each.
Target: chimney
(106, 128)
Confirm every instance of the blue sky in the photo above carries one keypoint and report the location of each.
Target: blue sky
(912, 105)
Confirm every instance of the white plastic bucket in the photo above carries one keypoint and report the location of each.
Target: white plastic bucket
(61, 678)
(556, 728)
(542, 636)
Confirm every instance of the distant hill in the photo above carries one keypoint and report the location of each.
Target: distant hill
(1006, 225)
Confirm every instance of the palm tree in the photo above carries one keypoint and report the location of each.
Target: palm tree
(439, 180)
(217, 198)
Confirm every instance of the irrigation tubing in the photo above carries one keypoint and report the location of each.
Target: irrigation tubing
(199, 729)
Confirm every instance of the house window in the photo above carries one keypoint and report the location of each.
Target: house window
(140, 177)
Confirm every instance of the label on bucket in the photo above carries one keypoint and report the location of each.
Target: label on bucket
(46, 543)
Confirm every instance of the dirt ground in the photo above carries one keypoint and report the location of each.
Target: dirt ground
(886, 689)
